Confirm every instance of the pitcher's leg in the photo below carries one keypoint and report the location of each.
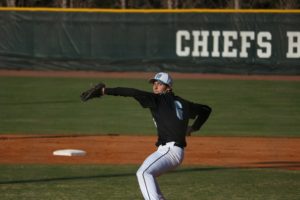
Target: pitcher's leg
(147, 181)
(156, 164)
(149, 187)
(159, 193)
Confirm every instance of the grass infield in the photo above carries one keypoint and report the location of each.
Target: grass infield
(119, 182)
(33, 105)
(240, 108)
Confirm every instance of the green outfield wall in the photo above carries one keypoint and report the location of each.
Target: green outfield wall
(210, 41)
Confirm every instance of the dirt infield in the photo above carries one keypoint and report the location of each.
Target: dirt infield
(206, 151)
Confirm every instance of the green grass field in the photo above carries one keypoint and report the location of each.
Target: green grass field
(240, 108)
(119, 182)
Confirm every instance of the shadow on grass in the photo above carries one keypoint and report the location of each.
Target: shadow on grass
(274, 165)
(43, 180)
(102, 176)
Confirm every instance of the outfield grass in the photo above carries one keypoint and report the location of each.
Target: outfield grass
(119, 182)
(240, 108)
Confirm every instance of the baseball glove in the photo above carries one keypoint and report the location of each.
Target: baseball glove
(95, 91)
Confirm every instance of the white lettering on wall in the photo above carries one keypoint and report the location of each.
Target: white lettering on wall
(200, 42)
(228, 44)
(182, 36)
(245, 43)
(264, 41)
(293, 44)
(215, 51)
(229, 37)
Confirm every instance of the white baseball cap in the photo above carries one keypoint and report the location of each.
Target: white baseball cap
(163, 77)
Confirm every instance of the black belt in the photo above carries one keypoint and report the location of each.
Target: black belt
(175, 144)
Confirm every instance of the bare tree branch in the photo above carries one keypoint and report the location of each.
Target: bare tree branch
(64, 3)
(236, 4)
(123, 4)
(11, 3)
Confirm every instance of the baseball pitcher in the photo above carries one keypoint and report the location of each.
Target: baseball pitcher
(171, 115)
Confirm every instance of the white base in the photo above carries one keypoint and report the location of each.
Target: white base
(69, 152)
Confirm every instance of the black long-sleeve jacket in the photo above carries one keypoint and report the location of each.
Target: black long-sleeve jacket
(171, 113)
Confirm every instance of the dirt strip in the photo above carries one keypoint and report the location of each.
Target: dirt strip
(206, 151)
(141, 75)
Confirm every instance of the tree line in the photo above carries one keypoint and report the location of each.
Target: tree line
(156, 4)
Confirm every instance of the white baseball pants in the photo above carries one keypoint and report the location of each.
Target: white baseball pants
(166, 158)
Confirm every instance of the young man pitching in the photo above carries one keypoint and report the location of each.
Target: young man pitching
(171, 115)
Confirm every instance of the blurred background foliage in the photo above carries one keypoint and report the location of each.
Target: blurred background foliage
(156, 4)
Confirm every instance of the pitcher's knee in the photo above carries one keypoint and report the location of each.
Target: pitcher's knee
(143, 173)
(139, 173)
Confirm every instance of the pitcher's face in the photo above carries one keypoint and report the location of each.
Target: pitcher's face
(159, 88)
